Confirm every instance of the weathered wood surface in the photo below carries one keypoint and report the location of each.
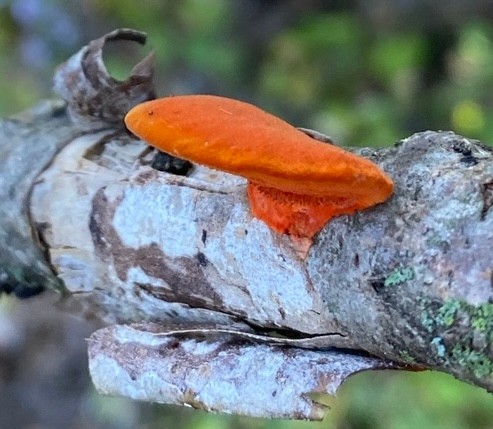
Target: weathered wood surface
(408, 281)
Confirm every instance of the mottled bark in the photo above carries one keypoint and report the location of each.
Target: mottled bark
(408, 281)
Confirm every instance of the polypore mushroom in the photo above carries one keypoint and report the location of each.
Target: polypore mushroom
(295, 183)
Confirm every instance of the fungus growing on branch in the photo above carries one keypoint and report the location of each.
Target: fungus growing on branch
(295, 183)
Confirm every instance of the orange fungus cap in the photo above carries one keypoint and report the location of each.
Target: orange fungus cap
(296, 183)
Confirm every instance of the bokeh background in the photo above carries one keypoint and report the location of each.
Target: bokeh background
(365, 73)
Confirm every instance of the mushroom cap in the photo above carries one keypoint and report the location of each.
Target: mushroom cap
(241, 139)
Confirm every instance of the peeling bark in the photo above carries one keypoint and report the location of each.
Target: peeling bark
(223, 374)
(410, 280)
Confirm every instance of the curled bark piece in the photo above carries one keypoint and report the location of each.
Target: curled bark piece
(218, 374)
(95, 99)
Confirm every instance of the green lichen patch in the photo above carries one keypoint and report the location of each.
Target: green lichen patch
(428, 312)
(427, 321)
(406, 357)
(461, 334)
(482, 319)
(476, 362)
(447, 312)
(398, 276)
(452, 311)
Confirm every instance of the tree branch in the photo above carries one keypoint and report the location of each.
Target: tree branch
(408, 281)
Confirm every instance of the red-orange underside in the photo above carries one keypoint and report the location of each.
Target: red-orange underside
(297, 215)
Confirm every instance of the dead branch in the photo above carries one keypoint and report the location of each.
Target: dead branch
(409, 281)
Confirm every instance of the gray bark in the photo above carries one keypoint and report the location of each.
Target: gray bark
(408, 281)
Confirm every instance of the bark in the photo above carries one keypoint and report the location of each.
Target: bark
(208, 290)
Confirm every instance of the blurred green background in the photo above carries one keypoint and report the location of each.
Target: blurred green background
(366, 73)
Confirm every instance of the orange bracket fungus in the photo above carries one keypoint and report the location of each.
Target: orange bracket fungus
(295, 183)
